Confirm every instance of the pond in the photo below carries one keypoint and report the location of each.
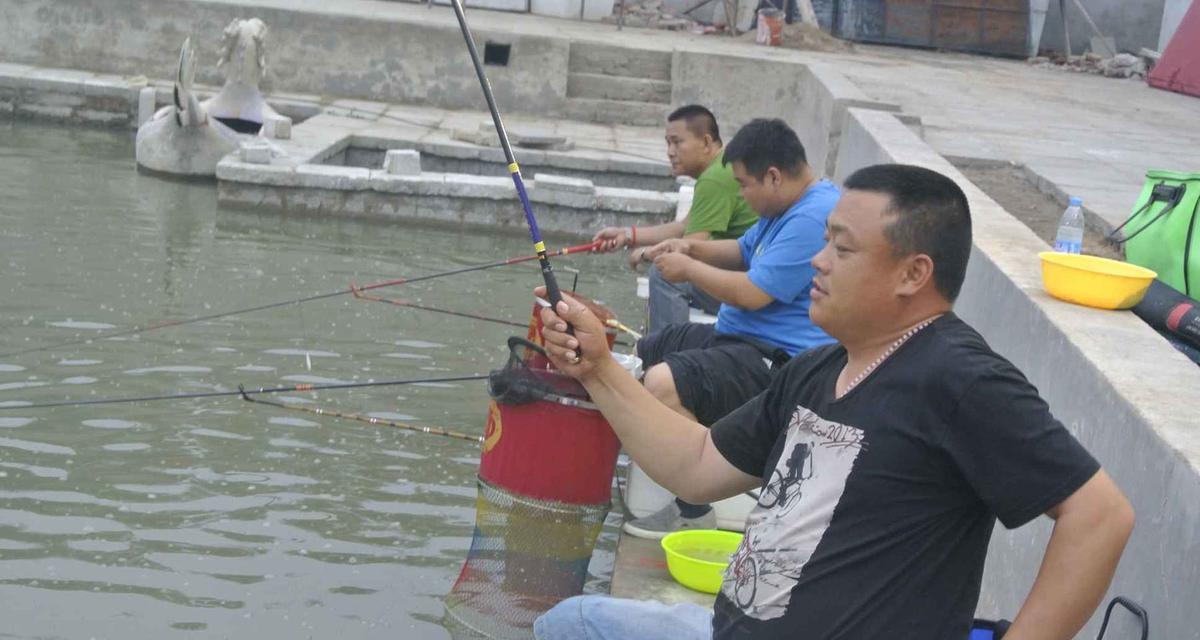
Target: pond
(212, 517)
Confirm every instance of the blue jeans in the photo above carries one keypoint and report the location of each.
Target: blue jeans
(607, 618)
(669, 301)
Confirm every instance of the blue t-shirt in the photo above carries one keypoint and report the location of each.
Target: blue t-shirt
(779, 253)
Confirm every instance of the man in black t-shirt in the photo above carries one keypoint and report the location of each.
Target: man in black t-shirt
(882, 462)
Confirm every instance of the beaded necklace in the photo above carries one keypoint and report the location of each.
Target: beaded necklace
(890, 350)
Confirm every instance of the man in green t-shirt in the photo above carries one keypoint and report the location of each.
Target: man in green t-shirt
(718, 212)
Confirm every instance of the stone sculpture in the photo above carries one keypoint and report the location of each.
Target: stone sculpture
(189, 137)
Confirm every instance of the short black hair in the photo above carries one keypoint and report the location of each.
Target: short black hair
(698, 120)
(931, 217)
(762, 144)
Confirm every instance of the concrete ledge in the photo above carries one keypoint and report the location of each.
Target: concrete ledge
(1120, 388)
(315, 176)
(232, 169)
(564, 183)
(67, 95)
(393, 198)
(640, 572)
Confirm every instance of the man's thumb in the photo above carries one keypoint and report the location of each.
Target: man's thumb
(569, 308)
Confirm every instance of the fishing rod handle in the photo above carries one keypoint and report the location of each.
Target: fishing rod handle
(553, 294)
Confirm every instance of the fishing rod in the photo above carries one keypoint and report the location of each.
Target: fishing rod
(552, 292)
(436, 431)
(283, 303)
(413, 305)
(475, 316)
(243, 392)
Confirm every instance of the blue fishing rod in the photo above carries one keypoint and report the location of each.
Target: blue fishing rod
(539, 247)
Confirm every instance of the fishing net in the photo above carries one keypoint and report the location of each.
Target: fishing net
(526, 378)
(545, 479)
(526, 555)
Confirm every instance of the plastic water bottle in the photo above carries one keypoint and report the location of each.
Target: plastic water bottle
(1069, 238)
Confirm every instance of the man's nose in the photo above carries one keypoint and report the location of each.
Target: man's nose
(820, 262)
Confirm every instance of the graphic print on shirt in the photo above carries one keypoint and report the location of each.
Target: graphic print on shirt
(793, 512)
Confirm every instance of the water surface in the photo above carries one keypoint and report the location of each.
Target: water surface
(213, 517)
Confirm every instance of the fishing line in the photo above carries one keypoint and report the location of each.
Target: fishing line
(583, 248)
(475, 316)
(243, 392)
(436, 431)
(413, 305)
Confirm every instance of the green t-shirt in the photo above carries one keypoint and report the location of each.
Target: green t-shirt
(717, 207)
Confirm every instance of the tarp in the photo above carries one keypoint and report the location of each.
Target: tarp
(1179, 67)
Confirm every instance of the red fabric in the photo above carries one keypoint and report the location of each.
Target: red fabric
(1179, 67)
(549, 451)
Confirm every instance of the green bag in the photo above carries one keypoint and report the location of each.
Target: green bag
(1162, 233)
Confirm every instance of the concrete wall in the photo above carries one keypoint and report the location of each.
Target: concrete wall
(1173, 12)
(1133, 23)
(812, 98)
(749, 87)
(406, 58)
(1119, 387)
(344, 56)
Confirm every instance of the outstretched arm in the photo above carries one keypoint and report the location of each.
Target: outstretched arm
(1090, 531)
(613, 238)
(676, 452)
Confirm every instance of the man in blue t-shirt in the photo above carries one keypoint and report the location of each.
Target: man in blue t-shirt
(762, 280)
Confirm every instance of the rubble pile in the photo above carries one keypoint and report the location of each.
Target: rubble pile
(809, 38)
(650, 14)
(1122, 65)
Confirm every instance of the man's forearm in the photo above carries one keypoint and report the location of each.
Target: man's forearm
(650, 236)
(1080, 560)
(723, 254)
(729, 287)
(668, 446)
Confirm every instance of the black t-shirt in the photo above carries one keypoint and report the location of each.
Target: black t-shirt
(876, 509)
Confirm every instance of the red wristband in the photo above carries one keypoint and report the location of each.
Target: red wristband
(633, 235)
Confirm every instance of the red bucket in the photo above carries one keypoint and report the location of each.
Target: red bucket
(550, 451)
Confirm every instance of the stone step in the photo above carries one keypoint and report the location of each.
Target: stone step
(602, 111)
(596, 85)
(618, 61)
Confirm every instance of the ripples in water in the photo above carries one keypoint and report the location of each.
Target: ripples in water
(169, 369)
(110, 423)
(302, 353)
(36, 447)
(419, 344)
(81, 324)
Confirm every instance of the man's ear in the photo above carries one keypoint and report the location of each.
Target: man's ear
(916, 274)
(773, 177)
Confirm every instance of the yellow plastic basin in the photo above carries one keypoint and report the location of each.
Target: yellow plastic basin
(697, 558)
(1094, 281)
